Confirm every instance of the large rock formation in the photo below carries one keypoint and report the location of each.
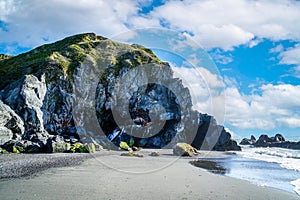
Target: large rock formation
(89, 89)
(276, 141)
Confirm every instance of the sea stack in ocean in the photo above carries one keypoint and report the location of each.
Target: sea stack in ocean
(59, 98)
(265, 141)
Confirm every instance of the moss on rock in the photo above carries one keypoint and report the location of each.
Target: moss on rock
(3, 151)
(124, 146)
(15, 150)
(79, 148)
(61, 147)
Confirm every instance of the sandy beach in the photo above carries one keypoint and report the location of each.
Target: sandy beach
(107, 175)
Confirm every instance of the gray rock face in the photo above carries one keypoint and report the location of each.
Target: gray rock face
(26, 97)
(5, 135)
(87, 88)
(11, 125)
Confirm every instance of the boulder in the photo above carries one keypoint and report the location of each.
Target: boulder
(11, 125)
(247, 141)
(263, 141)
(279, 138)
(184, 149)
(276, 141)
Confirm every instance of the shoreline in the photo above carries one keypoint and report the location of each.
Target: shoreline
(106, 175)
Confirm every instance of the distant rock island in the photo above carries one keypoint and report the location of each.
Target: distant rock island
(265, 141)
(42, 111)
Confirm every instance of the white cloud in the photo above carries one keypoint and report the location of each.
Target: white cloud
(205, 89)
(229, 23)
(219, 57)
(269, 107)
(291, 56)
(30, 22)
(254, 42)
(279, 48)
(6, 7)
(276, 106)
(212, 23)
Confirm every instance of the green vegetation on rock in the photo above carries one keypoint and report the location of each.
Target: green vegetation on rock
(79, 148)
(67, 54)
(124, 146)
(3, 151)
(61, 147)
(83, 148)
(15, 150)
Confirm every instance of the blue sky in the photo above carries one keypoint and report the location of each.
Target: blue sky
(256, 51)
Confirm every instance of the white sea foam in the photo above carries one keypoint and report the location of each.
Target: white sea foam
(287, 158)
(296, 183)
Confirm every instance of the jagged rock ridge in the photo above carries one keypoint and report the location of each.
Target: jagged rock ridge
(45, 93)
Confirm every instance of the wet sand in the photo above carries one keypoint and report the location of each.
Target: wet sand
(107, 175)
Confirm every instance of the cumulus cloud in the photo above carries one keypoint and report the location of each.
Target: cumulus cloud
(273, 107)
(269, 107)
(212, 23)
(225, 24)
(291, 57)
(31, 23)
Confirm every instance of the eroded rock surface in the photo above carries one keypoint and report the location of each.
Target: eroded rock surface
(89, 89)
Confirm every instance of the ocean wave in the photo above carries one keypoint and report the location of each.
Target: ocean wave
(286, 158)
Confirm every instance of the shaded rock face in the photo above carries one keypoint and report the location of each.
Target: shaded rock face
(208, 130)
(87, 88)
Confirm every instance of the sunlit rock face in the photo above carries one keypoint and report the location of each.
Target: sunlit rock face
(87, 88)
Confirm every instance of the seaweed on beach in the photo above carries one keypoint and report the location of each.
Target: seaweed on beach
(209, 165)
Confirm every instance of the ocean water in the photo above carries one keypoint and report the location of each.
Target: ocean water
(288, 160)
(271, 167)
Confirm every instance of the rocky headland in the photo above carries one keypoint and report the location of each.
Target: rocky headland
(64, 96)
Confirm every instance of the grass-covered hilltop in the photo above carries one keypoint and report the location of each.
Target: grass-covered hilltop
(86, 90)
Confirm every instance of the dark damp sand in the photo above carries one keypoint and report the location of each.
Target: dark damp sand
(107, 175)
